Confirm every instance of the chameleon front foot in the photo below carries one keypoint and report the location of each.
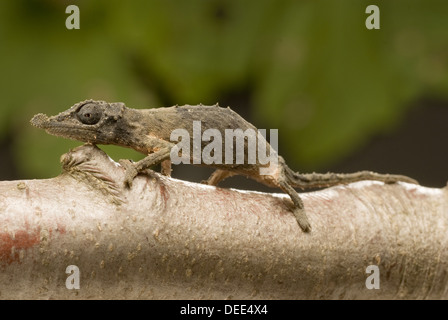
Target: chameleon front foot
(130, 172)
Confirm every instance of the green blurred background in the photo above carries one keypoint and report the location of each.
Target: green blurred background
(343, 97)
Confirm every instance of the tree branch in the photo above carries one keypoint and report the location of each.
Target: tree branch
(171, 239)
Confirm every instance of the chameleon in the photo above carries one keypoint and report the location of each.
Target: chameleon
(148, 131)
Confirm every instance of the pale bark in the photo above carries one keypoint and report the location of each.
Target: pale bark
(170, 239)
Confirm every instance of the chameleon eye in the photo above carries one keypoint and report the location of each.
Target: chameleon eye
(90, 113)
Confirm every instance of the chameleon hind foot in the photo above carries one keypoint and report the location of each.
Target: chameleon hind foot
(302, 219)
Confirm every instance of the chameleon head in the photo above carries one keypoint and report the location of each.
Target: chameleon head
(88, 121)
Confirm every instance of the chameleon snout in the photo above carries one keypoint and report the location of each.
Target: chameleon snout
(40, 120)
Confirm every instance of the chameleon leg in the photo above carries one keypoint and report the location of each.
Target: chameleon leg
(133, 169)
(299, 211)
(217, 176)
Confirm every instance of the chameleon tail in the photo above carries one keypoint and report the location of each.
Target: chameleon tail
(318, 180)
